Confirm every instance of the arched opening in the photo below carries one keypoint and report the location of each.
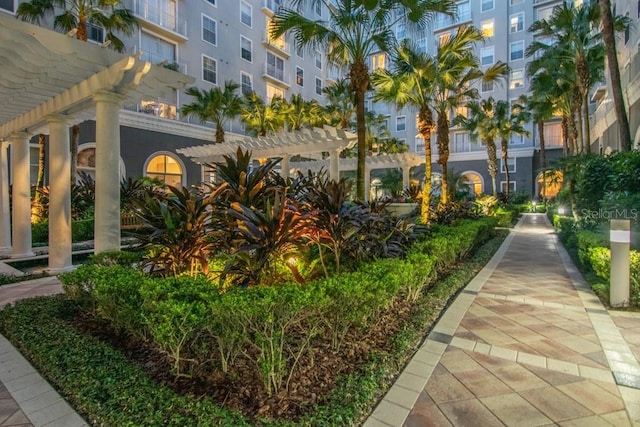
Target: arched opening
(548, 184)
(473, 181)
(86, 162)
(166, 168)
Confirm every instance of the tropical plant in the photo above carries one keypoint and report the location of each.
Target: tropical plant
(339, 108)
(298, 113)
(216, 105)
(261, 118)
(355, 30)
(37, 209)
(510, 121)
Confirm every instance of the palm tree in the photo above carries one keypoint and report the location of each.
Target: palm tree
(482, 125)
(37, 211)
(339, 108)
(541, 109)
(510, 121)
(299, 113)
(609, 27)
(261, 118)
(356, 29)
(77, 15)
(576, 46)
(216, 105)
(458, 68)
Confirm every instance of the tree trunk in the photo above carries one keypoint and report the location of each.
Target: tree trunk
(614, 75)
(443, 155)
(82, 30)
(565, 135)
(219, 134)
(75, 139)
(505, 158)
(492, 163)
(543, 158)
(573, 134)
(359, 74)
(425, 128)
(37, 212)
(580, 129)
(587, 124)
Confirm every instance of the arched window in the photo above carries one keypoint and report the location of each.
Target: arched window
(473, 181)
(549, 184)
(86, 161)
(165, 168)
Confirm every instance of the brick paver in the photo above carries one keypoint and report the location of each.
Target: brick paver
(526, 343)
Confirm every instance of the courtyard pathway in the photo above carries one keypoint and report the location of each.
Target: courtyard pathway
(526, 343)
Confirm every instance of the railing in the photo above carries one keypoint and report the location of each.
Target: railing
(272, 4)
(159, 16)
(154, 108)
(275, 73)
(443, 21)
(163, 61)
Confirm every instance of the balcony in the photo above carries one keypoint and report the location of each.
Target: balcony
(163, 62)
(154, 108)
(271, 6)
(443, 21)
(544, 2)
(161, 18)
(279, 45)
(276, 75)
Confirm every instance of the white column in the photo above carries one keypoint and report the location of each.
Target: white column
(5, 210)
(284, 166)
(107, 215)
(406, 176)
(59, 195)
(21, 195)
(334, 165)
(367, 184)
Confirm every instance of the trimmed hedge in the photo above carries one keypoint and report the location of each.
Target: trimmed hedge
(81, 230)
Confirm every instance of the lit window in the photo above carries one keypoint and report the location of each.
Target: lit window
(246, 48)
(274, 92)
(208, 29)
(318, 86)
(516, 23)
(443, 38)
(401, 124)
(516, 51)
(473, 181)
(378, 61)
(209, 70)
(299, 76)
(487, 5)
(516, 79)
(461, 111)
(247, 83)
(166, 169)
(279, 42)
(487, 28)
(246, 12)
(486, 55)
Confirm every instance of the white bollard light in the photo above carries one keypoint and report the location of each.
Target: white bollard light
(620, 236)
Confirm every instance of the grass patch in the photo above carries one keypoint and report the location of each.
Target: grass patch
(107, 389)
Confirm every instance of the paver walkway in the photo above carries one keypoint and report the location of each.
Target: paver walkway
(525, 344)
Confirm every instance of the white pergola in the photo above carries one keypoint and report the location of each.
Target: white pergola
(282, 144)
(49, 82)
(404, 161)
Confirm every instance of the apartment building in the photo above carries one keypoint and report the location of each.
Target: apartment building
(212, 41)
(504, 24)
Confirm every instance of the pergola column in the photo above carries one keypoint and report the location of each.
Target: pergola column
(107, 207)
(21, 195)
(5, 210)
(334, 165)
(406, 176)
(59, 195)
(284, 166)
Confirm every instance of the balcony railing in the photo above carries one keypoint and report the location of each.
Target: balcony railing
(159, 16)
(272, 5)
(275, 73)
(443, 21)
(154, 108)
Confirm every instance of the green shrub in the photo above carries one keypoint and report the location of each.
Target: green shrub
(81, 230)
(123, 258)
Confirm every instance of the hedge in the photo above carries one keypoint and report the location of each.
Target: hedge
(81, 230)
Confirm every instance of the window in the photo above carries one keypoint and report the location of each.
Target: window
(516, 23)
(318, 86)
(545, 14)
(512, 186)
(460, 142)
(487, 87)
(401, 31)
(487, 28)
(208, 29)
(7, 5)
(299, 52)
(486, 5)
(462, 111)
(627, 32)
(516, 79)
(421, 44)
(516, 140)
(95, 33)
(464, 11)
(511, 161)
(275, 66)
(246, 49)
(401, 124)
(443, 38)
(299, 76)
(516, 51)
(318, 60)
(247, 83)
(486, 55)
(209, 70)
(246, 13)
(213, 2)
(166, 169)
(319, 8)
(274, 92)
(274, 5)
(514, 2)
(279, 42)
(156, 50)
(473, 181)
(378, 61)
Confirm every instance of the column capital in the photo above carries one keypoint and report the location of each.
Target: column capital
(58, 118)
(108, 97)
(4, 144)
(20, 135)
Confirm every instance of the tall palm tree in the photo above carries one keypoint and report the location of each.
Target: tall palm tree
(609, 28)
(541, 109)
(356, 29)
(339, 108)
(216, 105)
(37, 211)
(510, 120)
(458, 69)
(261, 118)
(576, 45)
(78, 15)
(482, 125)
